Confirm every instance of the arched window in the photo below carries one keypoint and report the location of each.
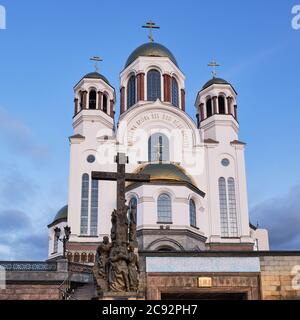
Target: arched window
(193, 218)
(232, 208)
(83, 257)
(158, 148)
(81, 100)
(209, 110)
(92, 99)
(55, 244)
(175, 93)
(105, 102)
(131, 92)
(153, 85)
(91, 258)
(165, 249)
(132, 209)
(69, 256)
(221, 101)
(223, 207)
(94, 208)
(76, 257)
(84, 204)
(132, 216)
(164, 208)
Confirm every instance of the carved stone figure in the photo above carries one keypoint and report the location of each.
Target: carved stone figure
(133, 269)
(101, 266)
(118, 269)
(113, 225)
(132, 225)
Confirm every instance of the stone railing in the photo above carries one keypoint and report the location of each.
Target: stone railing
(17, 266)
(80, 268)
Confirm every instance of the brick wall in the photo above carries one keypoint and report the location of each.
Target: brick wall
(30, 292)
(277, 277)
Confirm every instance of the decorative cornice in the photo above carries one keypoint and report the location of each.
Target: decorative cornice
(236, 142)
(211, 141)
(77, 138)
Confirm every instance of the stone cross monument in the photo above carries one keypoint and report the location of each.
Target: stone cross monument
(117, 269)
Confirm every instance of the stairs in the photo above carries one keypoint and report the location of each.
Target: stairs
(85, 292)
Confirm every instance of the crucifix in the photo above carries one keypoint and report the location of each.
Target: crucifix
(151, 25)
(213, 65)
(120, 215)
(96, 59)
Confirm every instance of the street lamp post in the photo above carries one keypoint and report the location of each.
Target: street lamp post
(65, 239)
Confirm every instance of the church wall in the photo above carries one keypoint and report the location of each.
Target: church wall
(147, 198)
(94, 143)
(215, 153)
(222, 128)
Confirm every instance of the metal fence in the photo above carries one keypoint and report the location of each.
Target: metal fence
(29, 266)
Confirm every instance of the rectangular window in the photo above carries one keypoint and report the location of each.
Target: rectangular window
(223, 207)
(84, 205)
(94, 209)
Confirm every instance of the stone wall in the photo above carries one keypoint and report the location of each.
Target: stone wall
(42, 280)
(30, 292)
(280, 277)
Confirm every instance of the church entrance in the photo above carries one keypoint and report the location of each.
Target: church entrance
(205, 296)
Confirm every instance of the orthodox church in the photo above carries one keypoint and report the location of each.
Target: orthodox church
(196, 199)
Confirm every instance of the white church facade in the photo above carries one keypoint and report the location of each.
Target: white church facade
(196, 199)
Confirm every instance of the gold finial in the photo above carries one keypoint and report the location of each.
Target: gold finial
(96, 59)
(151, 25)
(213, 65)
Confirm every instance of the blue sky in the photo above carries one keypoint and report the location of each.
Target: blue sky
(46, 48)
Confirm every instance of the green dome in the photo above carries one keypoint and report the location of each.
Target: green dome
(96, 75)
(62, 214)
(150, 49)
(215, 81)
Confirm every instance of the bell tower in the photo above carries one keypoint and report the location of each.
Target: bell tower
(94, 104)
(93, 125)
(225, 166)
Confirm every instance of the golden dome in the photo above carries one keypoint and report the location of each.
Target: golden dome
(168, 173)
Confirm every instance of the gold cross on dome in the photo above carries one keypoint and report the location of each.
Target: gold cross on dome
(151, 25)
(96, 59)
(213, 64)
